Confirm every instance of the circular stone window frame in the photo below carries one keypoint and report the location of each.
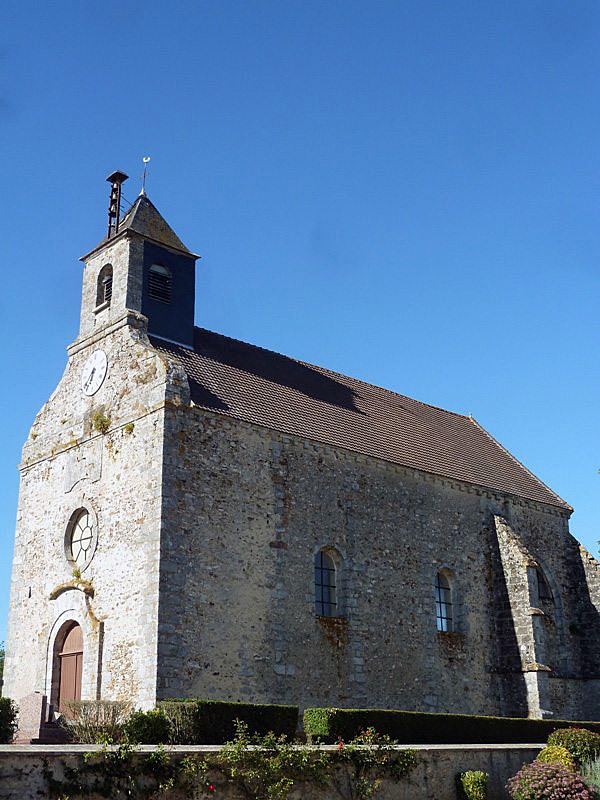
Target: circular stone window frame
(69, 532)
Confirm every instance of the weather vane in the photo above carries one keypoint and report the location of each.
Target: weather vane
(146, 160)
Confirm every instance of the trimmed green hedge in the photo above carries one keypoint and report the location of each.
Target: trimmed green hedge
(213, 721)
(414, 727)
(148, 727)
(8, 720)
(182, 719)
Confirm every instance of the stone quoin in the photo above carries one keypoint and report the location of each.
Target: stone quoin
(200, 517)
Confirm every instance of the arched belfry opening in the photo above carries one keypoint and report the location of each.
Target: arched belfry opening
(104, 286)
(67, 666)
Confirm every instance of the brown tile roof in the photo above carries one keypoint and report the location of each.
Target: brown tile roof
(265, 388)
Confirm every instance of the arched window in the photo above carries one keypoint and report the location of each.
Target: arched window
(544, 591)
(159, 283)
(104, 286)
(325, 585)
(443, 602)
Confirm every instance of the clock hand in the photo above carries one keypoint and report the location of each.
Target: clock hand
(89, 380)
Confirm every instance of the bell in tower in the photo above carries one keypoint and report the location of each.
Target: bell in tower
(114, 203)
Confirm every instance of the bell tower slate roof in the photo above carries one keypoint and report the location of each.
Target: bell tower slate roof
(249, 383)
(146, 220)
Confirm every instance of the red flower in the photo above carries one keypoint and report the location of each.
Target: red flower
(211, 787)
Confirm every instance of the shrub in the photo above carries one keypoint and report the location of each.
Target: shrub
(371, 758)
(583, 745)
(555, 754)
(8, 720)
(414, 727)
(96, 721)
(268, 766)
(252, 767)
(538, 781)
(147, 727)
(472, 784)
(181, 717)
(590, 772)
(213, 721)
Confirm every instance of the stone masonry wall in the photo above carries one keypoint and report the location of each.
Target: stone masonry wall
(125, 255)
(117, 476)
(22, 771)
(568, 629)
(244, 511)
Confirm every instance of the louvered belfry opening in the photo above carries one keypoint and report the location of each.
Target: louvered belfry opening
(159, 283)
(107, 288)
(104, 288)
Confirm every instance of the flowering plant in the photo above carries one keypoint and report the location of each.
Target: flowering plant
(583, 745)
(555, 754)
(539, 781)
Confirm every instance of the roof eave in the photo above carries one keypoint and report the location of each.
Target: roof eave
(560, 502)
(122, 234)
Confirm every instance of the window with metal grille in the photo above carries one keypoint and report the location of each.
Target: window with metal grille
(544, 591)
(325, 585)
(81, 538)
(104, 286)
(159, 283)
(443, 603)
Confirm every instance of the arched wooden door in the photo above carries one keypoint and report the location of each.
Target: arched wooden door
(70, 661)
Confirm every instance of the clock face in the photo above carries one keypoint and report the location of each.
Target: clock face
(94, 372)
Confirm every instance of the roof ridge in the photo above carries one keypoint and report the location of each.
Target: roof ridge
(130, 209)
(338, 374)
(388, 391)
(516, 460)
(143, 217)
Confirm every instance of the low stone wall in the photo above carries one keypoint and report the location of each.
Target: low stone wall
(23, 770)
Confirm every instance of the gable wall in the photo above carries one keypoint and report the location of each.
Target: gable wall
(67, 464)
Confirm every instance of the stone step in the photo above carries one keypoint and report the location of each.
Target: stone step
(50, 733)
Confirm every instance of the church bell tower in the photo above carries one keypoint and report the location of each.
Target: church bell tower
(85, 581)
(141, 273)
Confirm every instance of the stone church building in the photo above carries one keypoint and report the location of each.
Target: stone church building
(202, 517)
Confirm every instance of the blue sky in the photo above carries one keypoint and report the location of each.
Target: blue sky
(406, 192)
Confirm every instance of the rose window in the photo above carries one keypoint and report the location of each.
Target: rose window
(82, 539)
